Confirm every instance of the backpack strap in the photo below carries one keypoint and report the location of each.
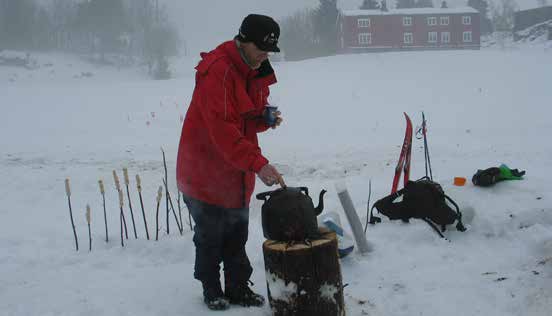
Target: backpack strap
(432, 225)
(459, 226)
(374, 219)
(388, 199)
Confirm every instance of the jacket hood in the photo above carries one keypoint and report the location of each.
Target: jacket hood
(228, 50)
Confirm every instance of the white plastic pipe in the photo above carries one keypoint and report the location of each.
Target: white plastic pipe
(352, 218)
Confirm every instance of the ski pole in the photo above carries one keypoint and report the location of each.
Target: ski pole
(102, 191)
(125, 174)
(68, 193)
(426, 149)
(139, 188)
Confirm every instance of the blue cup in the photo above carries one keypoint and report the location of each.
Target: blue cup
(270, 115)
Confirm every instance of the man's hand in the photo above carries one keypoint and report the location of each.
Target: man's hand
(279, 119)
(270, 176)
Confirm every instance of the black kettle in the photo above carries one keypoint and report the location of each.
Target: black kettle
(288, 214)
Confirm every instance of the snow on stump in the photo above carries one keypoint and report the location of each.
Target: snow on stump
(304, 278)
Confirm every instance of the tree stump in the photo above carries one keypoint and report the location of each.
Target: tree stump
(304, 278)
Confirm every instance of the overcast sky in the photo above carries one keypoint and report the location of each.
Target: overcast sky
(205, 23)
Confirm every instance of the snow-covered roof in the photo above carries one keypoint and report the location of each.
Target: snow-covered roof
(530, 5)
(413, 11)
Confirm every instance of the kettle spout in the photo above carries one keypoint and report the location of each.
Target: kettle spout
(320, 206)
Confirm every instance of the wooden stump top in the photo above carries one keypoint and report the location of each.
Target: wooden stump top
(326, 237)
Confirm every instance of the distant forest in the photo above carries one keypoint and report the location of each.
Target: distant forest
(129, 29)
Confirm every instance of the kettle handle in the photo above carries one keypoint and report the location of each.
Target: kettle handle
(262, 196)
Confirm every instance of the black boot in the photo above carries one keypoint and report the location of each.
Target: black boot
(244, 296)
(214, 298)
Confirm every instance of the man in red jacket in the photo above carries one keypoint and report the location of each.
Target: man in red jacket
(219, 155)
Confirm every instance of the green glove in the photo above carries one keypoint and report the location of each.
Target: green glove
(510, 174)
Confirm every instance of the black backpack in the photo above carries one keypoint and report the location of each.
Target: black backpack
(422, 199)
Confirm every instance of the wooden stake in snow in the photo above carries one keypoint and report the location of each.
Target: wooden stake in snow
(127, 182)
(139, 188)
(89, 231)
(119, 192)
(166, 188)
(102, 191)
(172, 208)
(179, 211)
(189, 214)
(159, 195)
(121, 217)
(68, 192)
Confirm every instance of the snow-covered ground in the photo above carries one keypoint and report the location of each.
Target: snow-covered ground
(343, 122)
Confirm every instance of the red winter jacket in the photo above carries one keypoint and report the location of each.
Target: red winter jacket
(218, 154)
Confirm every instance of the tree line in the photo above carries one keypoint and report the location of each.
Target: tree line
(131, 29)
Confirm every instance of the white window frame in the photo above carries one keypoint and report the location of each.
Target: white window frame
(409, 36)
(407, 21)
(467, 37)
(444, 20)
(445, 37)
(364, 22)
(466, 20)
(431, 20)
(365, 38)
(432, 37)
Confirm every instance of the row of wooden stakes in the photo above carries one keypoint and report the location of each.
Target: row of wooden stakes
(122, 219)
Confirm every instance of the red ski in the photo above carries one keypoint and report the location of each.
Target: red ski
(404, 158)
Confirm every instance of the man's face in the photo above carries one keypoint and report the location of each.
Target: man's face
(254, 55)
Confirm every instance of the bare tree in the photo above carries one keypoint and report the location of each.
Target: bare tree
(503, 15)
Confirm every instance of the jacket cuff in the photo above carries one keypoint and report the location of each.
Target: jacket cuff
(259, 163)
(262, 126)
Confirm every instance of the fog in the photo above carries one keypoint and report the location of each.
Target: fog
(151, 32)
(203, 24)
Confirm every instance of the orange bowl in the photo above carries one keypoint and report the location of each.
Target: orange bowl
(459, 181)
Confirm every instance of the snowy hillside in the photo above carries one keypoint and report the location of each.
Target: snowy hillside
(343, 122)
(538, 32)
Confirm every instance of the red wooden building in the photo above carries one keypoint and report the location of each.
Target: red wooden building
(408, 29)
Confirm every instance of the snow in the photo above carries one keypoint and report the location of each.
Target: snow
(328, 292)
(343, 122)
(280, 290)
